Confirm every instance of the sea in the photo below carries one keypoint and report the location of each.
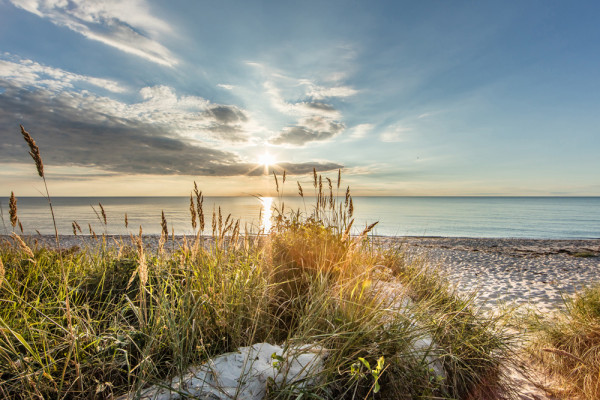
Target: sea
(477, 217)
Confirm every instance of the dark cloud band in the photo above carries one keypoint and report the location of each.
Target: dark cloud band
(70, 133)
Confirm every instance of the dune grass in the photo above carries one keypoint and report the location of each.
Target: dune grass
(136, 317)
(567, 344)
(112, 319)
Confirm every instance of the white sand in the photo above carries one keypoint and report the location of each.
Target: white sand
(515, 271)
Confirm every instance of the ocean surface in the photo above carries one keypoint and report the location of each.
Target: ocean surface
(485, 217)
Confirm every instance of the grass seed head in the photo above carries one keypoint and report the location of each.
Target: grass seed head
(369, 228)
(13, 209)
(214, 222)
(103, 213)
(163, 224)
(22, 245)
(347, 196)
(199, 211)
(193, 212)
(34, 151)
(321, 196)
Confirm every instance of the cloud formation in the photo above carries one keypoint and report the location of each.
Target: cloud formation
(319, 92)
(308, 130)
(394, 133)
(23, 72)
(316, 120)
(163, 134)
(71, 135)
(128, 26)
(360, 131)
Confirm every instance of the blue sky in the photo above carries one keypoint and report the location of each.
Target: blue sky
(408, 98)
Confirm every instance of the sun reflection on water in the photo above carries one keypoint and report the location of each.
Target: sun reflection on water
(267, 213)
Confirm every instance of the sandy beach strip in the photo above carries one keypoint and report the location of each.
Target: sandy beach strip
(537, 272)
(532, 272)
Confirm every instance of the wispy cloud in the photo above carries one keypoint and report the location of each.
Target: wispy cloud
(128, 26)
(394, 133)
(304, 100)
(319, 92)
(23, 72)
(359, 131)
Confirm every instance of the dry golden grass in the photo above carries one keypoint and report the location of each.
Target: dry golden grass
(23, 245)
(567, 344)
(13, 209)
(34, 151)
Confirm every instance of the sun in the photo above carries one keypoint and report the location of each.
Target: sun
(266, 159)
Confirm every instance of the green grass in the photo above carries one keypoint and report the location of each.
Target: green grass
(568, 344)
(584, 254)
(108, 320)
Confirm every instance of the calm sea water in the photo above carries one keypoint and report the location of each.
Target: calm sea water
(525, 217)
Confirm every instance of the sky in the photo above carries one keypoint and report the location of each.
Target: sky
(418, 98)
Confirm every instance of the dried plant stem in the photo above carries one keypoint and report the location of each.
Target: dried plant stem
(2, 272)
(52, 212)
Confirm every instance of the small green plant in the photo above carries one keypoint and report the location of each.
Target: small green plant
(277, 361)
(356, 371)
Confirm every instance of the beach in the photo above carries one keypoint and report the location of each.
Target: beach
(534, 272)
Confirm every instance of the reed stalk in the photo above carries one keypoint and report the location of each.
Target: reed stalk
(34, 152)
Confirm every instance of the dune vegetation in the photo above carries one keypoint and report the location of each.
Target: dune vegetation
(567, 344)
(112, 318)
